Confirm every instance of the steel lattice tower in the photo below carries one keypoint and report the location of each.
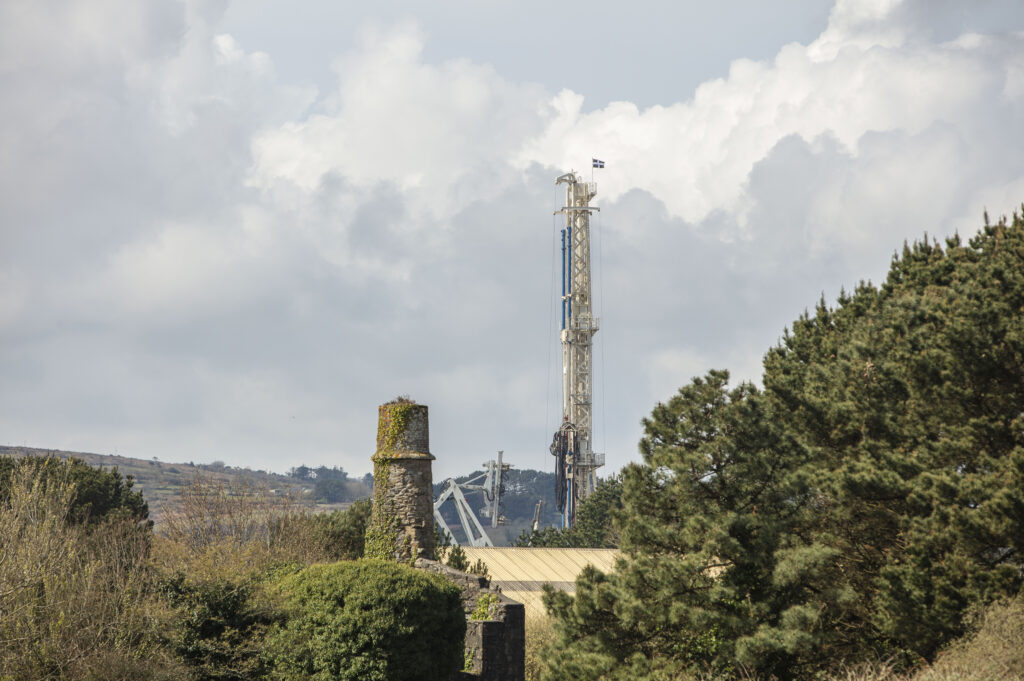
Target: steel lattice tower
(577, 463)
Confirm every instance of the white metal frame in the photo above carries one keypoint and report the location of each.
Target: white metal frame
(493, 491)
(579, 327)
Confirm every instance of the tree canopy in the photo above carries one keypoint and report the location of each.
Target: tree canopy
(98, 492)
(593, 528)
(857, 506)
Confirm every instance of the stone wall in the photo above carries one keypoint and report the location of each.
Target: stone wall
(495, 647)
(401, 528)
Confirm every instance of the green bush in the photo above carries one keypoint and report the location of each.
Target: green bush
(367, 620)
(73, 597)
(337, 535)
(218, 627)
(99, 492)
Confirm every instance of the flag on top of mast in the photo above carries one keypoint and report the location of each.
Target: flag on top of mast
(597, 163)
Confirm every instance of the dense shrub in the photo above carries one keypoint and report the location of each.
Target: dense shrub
(73, 599)
(367, 620)
(98, 492)
(219, 625)
(337, 535)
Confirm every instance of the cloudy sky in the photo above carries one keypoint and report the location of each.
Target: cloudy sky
(229, 230)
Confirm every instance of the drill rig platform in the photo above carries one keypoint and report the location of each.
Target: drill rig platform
(576, 463)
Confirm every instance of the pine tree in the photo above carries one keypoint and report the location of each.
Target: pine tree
(856, 507)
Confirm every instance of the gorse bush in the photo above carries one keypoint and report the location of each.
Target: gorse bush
(368, 620)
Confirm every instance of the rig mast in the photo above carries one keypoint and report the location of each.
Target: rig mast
(576, 462)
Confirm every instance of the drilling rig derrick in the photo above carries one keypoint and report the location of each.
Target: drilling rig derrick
(572, 446)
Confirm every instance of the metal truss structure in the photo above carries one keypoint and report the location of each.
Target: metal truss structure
(572, 445)
(489, 483)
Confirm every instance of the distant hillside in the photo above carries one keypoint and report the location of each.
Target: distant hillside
(161, 481)
(523, 489)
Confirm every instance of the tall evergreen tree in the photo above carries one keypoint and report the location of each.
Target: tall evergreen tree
(858, 506)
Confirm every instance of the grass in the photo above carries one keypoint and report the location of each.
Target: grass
(539, 632)
(994, 651)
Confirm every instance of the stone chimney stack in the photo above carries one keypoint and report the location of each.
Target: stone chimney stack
(402, 523)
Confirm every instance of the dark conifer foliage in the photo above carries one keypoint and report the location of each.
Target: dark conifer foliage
(856, 507)
(99, 492)
(593, 529)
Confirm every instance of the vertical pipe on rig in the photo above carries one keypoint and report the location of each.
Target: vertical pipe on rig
(563, 280)
(568, 277)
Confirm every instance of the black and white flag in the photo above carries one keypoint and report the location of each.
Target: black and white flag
(598, 163)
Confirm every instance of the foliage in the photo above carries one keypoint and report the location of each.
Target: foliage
(486, 607)
(594, 528)
(383, 528)
(98, 493)
(109, 600)
(301, 472)
(539, 634)
(220, 625)
(457, 558)
(369, 620)
(857, 508)
(337, 535)
(332, 485)
(222, 547)
(994, 649)
(212, 511)
(338, 490)
(72, 597)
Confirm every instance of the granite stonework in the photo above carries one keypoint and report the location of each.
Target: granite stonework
(403, 490)
(495, 647)
(402, 477)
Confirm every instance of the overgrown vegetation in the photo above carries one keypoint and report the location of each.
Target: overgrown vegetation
(74, 580)
(861, 517)
(369, 620)
(593, 529)
(88, 591)
(540, 633)
(856, 509)
(98, 493)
